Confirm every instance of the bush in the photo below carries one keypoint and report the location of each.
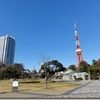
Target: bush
(30, 82)
(79, 78)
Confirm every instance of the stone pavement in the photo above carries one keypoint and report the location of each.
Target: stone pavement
(91, 90)
(88, 89)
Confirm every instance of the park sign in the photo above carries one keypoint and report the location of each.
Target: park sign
(15, 86)
(15, 83)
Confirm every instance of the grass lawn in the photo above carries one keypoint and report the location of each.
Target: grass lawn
(36, 86)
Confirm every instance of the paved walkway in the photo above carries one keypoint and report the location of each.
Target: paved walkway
(88, 89)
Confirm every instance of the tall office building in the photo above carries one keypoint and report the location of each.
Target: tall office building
(7, 49)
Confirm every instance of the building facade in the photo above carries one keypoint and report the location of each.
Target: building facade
(7, 49)
(70, 75)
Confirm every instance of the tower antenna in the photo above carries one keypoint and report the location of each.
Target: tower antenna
(78, 49)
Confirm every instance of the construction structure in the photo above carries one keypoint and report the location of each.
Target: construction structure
(78, 49)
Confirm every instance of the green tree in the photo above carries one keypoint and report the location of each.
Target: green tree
(73, 67)
(98, 63)
(2, 69)
(83, 66)
(51, 67)
(94, 62)
(14, 70)
(94, 70)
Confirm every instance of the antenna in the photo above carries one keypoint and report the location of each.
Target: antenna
(78, 49)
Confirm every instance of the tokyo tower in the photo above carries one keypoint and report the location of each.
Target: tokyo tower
(78, 49)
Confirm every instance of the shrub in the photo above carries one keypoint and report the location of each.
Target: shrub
(79, 78)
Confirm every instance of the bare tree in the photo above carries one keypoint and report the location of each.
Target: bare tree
(44, 63)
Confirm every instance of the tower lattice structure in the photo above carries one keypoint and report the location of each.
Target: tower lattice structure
(78, 49)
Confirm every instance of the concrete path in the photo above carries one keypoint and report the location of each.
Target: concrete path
(88, 89)
(93, 87)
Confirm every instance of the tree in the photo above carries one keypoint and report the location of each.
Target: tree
(94, 70)
(94, 62)
(98, 63)
(73, 67)
(2, 69)
(14, 70)
(57, 65)
(49, 68)
(83, 66)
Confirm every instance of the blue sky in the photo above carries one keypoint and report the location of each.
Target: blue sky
(46, 28)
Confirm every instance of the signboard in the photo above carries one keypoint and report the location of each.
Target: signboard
(15, 84)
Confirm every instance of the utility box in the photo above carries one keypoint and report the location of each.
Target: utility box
(15, 86)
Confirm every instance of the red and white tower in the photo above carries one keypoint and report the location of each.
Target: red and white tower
(78, 49)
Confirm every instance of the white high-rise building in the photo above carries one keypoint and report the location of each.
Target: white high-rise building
(7, 49)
